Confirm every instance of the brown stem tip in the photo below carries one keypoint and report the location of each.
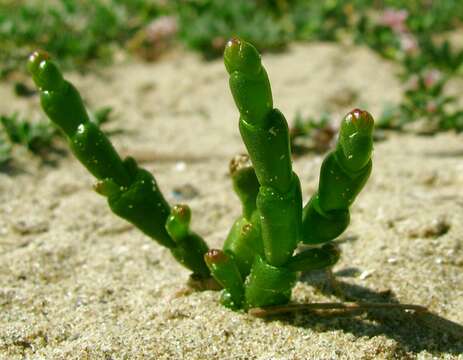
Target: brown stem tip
(182, 212)
(39, 55)
(361, 119)
(238, 163)
(234, 41)
(35, 59)
(246, 229)
(215, 256)
(359, 114)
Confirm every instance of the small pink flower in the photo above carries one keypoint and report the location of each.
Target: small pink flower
(395, 19)
(162, 28)
(408, 44)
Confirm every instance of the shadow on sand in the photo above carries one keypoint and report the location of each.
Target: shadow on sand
(413, 332)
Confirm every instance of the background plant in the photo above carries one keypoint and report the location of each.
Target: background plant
(424, 100)
(318, 130)
(206, 25)
(39, 137)
(75, 31)
(78, 33)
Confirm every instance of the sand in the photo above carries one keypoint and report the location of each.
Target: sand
(78, 283)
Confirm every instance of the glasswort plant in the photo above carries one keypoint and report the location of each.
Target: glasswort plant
(257, 266)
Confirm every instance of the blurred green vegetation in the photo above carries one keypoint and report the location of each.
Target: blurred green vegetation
(206, 25)
(79, 33)
(73, 31)
(39, 137)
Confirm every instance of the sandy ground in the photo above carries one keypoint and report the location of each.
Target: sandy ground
(78, 283)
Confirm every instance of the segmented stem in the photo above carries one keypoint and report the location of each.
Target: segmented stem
(132, 192)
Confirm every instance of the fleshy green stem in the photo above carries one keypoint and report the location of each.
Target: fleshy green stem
(131, 191)
(343, 174)
(225, 271)
(314, 259)
(268, 285)
(245, 183)
(244, 240)
(248, 81)
(265, 133)
(190, 247)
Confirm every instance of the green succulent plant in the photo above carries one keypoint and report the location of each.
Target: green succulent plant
(259, 263)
